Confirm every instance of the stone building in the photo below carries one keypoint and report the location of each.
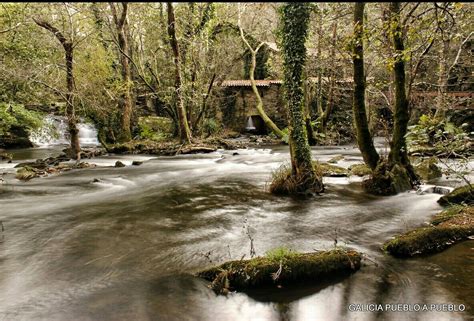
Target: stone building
(237, 105)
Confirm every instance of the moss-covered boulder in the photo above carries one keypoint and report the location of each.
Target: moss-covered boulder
(359, 170)
(330, 170)
(281, 269)
(386, 180)
(26, 173)
(447, 228)
(427, 169)
(463, 194)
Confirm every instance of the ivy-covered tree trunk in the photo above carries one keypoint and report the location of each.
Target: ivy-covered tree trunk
(69, 95)
(125, 101)
(294, 18)
(364, 138)
(184, 131)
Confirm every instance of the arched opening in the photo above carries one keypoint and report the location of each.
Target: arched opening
(255, 125)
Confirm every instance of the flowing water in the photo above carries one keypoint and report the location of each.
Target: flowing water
(54, 132)
(122, 243)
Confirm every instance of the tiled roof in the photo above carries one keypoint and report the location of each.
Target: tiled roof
(247, 83)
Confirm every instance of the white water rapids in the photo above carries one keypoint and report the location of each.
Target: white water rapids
(54, 132)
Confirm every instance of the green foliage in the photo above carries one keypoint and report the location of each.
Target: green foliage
(280, 254)
(14, 115)
(435, 133)
(154, 128)
(210, 127)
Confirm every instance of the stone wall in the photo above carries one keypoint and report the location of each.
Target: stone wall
(236, 104)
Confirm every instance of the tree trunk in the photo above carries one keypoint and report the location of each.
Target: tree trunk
(398, 150)
(442, 78)
(364, 138)
(332, 81)
(295, 19)
(125, 101)
(184, 131)
(70, 112)
(270, 124)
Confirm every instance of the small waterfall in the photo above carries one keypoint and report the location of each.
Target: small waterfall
(250, 125)
(87, 134)
(54, 132)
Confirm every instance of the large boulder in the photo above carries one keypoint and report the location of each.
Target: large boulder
(427, 169)
(360, 170)
(463, 194)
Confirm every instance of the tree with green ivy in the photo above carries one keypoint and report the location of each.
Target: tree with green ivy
(294, 19)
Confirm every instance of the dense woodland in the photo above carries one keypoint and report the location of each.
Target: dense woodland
(257, 91)
(116, 63)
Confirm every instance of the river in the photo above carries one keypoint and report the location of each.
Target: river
(121, 243)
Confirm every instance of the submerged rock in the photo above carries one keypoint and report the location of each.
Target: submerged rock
(137, 163)
(26, 173)
(360, 170)
(50, 165)
(329, 170)
(336, 159)
(5, 156)
(449, 227)
(463, 194)
(286, 269)
(119, 164)
(160, 148)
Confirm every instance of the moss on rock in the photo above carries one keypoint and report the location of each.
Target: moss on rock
(447, 228)
(26, 173)
(463, 194)
(359, 170)
(281, 270)
(330, 170)
(387, 180)
(427, 169)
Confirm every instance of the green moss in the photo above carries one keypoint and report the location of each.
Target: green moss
(463, 194)
(280, 254)
(447, 214)
(360, 170)
(451, 226)
(155, 128)
(388, 180)
(330, 170)
(427, 169)
(26, 173)
(266, 271)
